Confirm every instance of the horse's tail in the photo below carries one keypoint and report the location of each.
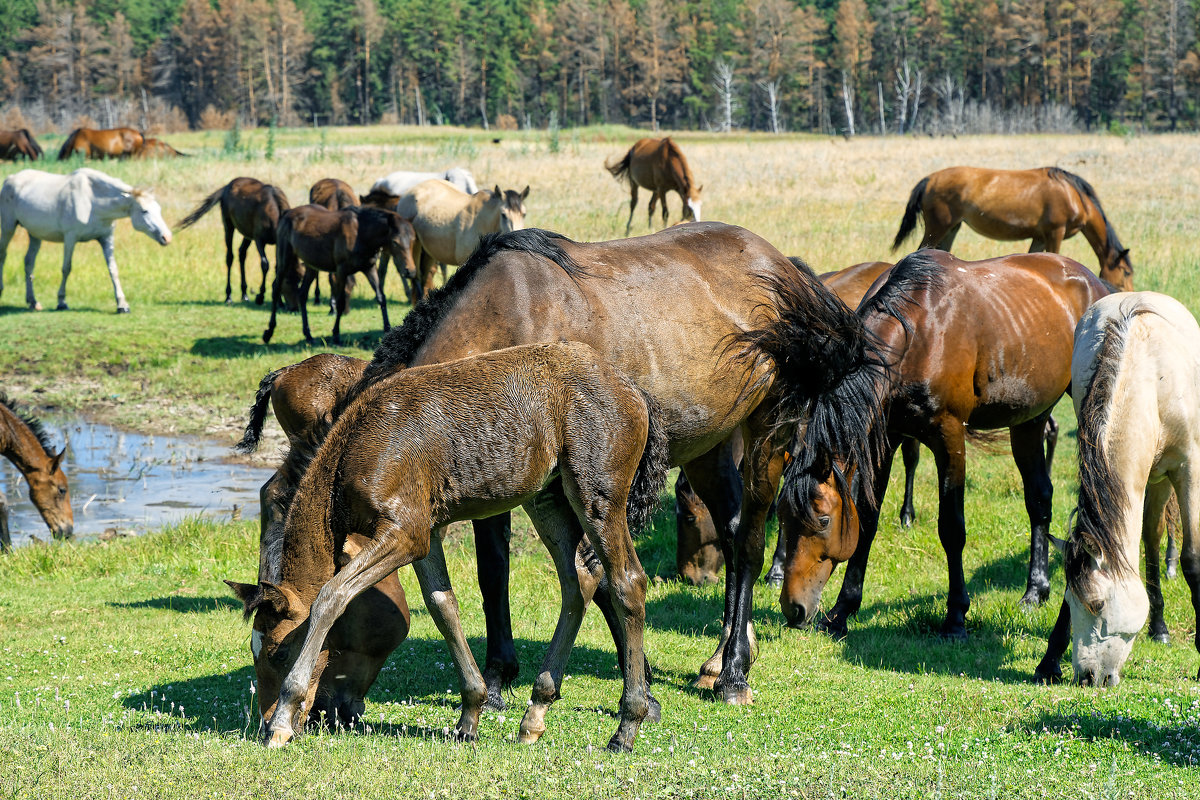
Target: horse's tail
(620, 170)
(68, 147)
(910, 213)
(202, 209)
(258, 413)
(645, 493)
(33, 145)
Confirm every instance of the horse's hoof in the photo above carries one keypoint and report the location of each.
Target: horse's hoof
(907, 520)
(775, 576)
(461, 735)
(258, 300)
(706, 682)
(267, 337)
(229, 300)
(35, 306)
(495, 701)
(1035, 597)
(530, 735)
(1162, 637)
(832, 625)
(60, 307)
(738, 694)
(955, 633)
(654, 711)
(1047, 674)
(616, 745)
(123, 310)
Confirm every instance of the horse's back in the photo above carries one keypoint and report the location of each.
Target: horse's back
(851, 284)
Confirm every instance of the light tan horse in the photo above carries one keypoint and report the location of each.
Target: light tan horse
(658, 165)
(449, 224)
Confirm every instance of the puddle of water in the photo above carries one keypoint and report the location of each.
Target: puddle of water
(139, 481)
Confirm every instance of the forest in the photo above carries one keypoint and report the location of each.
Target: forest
(831, 66)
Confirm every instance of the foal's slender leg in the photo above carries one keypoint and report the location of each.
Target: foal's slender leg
(337, 285)
(910, 452)
(30, 258)
(492, 564)
(310, 275)
(106, 244)
(1157, 495)
(947, 240)
(1187, 490)
(68, 252)
(376, 283)
(633, 198)
(228, 225)
(243, 248)
(950, 453)
(1030, 456)
(261, 246)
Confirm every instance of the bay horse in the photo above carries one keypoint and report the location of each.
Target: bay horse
(102, 143)
(79, 207)
(333, 194)
(1045, 205)
(450, 223)
(157, 148)
(1137, 361)
(476, 436)
(661, 309)
(251, 208)
(397, 183)
(375, 622)
(25, 442)
(657, 165)
(961, 361)
(19, 143)
(342, 243)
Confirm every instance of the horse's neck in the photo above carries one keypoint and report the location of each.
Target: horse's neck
(107, 208)
(18, 443)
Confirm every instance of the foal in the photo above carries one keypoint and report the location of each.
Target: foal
(24, 442)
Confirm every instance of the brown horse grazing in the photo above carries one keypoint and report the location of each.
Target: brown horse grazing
(253, 209)
(962, 360)
(375, 622)
(102, 143)
(157, 148)
(19, 143)
(658, 165)
(661, 309)
(1046, 205)
(342, 243)
(477, 436)
(333, 194)
(24, 442)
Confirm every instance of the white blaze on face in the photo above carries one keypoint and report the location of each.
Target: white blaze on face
(694, 205)
(256, 643)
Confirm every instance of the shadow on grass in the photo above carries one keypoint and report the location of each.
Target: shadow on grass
(184, 605)
(1175, 744)
(252, 345)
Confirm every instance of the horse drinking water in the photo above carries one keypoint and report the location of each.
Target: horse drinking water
(658, 165)
(24, 442)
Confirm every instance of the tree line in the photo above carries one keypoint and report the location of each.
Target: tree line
(846, 66)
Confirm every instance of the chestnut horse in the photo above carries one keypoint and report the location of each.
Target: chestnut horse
(657, 165)
(551, 427)
(1046, 205)
(19, 143)
(962, 362)
(375, 622)
(157, 148)
(25, 443)
(252, 208)
(102, 143)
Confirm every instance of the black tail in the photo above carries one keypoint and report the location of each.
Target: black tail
(910, 213)
(258, 413)
(645, 493)
(68, 147)
(620, 170)
(202, 209)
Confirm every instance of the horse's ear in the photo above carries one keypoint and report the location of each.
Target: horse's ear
(246, 592)
(56, 460)
(1059, 544)
(496, 191)
(700, 188)
(525, 193)
(282, 600)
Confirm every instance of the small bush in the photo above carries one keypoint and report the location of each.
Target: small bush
(506, 122)
(213, 120)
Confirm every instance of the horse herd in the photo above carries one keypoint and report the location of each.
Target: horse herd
(567, 377)
(88, 143)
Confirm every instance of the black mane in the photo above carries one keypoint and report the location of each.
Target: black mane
(33, 423)
(1086, 191)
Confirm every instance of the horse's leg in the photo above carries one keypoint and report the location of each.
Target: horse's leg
(1030, 456)
(1048, 670)
(8, 226)
(775, 574)
(276, 293)
(5, 538)
(950, 453)
(947, 240)
(633, 198)
(1186, 481)
(227, 224)
(337, 284)
(30, 258)
(261, 246)
(500, 666)
(910, 453)
(110, 258)
(1050, 438)
(650, 211)
(243, 249)
(68, 253)
(376, 282)
(1157, 495)
(1170, 524)
(310, 275)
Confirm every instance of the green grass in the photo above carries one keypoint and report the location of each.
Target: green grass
(125, 666)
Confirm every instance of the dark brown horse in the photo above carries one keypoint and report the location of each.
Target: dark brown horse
(1046, 205)
(342, 243)
(102, 143)
(986, 345)
(252, 208)
(157, 148)
(551, 427)
(375, 622)
(25, 443)
(657, 165)
(332, 194)
(19, 143)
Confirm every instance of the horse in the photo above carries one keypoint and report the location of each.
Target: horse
(397, 183)
(332, 194)
(962, 360)
(24, 442)
(551, 427)
(657, 165)
(342, 243)
(1046, 205)
(79, 207)
(157, 148)
(375, 622)
(252, 208)
(102, 143)
(663, 309)
(1139, 438)
(449, 224)
(19, 143)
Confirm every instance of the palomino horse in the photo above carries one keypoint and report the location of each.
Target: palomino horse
(375, 622)
(1046, 205)
(661, 309)
(962, 360)
(80, 207)
(1138, 355)
(252, 208)
(157, 148)
(397, 183)
(449, 223)
(102, 143)
(342, 243)
(574, 442)
(19, 143)
(657, 165)
(24, 442)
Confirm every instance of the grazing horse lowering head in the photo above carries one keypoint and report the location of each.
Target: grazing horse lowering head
(24, 441)
(146, 216)
(512, 208)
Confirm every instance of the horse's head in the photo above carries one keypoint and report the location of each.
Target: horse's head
(400, 243)
(512, 208)
(1118, 269)
(1108, 608)
(50, 494)
(146, 216)
(691, 205)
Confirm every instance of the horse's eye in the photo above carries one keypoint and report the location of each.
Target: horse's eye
(824, 520)
(279, 656)
(62, 491)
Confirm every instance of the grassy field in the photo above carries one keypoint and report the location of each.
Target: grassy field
(125, 666)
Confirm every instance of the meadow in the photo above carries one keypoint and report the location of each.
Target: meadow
(125, 666)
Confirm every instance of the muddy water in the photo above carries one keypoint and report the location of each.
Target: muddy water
(134, 482)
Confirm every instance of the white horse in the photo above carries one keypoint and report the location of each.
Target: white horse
(80, 207)
(401, 182)
(1138, 355)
